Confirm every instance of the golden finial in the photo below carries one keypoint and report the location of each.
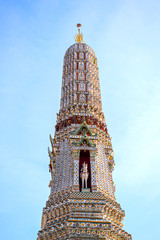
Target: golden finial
(79, 37)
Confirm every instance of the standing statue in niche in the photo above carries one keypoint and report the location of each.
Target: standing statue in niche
(84, 174)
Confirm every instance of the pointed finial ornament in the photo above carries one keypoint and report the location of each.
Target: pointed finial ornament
(79, 36)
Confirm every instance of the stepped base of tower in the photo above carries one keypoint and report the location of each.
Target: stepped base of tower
(82, 215)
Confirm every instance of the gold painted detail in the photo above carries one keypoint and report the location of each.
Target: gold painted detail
(79, 36)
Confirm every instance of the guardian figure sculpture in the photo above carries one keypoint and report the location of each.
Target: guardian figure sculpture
(84, 174)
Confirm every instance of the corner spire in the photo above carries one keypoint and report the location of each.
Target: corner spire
(79, 36)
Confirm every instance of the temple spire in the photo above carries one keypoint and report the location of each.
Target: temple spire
(82, 203)
(79, 36)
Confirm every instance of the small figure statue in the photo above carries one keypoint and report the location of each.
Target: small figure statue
(84, 174)
(84, 131)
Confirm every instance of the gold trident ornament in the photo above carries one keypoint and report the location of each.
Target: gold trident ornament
(79, 37)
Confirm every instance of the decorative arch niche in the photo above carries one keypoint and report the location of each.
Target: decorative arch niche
(84, 157)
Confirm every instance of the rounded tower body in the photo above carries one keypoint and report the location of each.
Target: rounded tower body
(82, 203)
(80, 82)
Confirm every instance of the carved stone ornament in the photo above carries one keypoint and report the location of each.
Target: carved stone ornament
(75, 154)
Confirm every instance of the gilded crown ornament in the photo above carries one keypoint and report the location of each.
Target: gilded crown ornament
(79, 37)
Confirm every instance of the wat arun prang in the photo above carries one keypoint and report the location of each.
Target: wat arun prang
(82, 203)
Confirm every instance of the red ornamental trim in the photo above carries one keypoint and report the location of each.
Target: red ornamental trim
(79, 120)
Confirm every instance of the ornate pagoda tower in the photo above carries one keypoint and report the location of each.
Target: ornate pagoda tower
(82, 204)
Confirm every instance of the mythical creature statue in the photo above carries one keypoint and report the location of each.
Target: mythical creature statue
(84, 174)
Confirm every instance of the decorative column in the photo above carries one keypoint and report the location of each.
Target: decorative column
(75, 157)
(93, 171)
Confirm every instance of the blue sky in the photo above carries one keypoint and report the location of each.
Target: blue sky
(34, 36)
